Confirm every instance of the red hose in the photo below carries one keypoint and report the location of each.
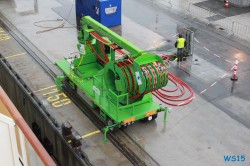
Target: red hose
(102, 61)
(181, 88)
(173, 99)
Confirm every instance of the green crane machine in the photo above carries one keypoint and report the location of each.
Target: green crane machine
(114, 75)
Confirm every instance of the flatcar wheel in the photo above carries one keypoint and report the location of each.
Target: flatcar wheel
(149, 118)
(65, 80)
(123, 127)
(154, 116)
(146, 119)
(110, 122)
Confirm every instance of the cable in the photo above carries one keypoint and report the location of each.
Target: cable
(38, 22)
(57, 27)
(101, 39)
(102, 61)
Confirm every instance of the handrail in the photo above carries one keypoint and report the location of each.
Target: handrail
(40, 150)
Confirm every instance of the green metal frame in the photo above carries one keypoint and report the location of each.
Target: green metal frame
(102, 87)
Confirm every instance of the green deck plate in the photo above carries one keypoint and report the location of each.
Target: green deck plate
(90, 70)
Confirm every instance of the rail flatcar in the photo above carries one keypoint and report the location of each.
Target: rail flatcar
(114, 75)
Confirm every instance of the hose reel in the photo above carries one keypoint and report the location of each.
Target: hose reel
(136, 78)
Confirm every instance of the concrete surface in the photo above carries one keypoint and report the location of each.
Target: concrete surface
(201, 133)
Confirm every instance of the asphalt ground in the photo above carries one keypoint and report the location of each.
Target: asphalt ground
(215, 124)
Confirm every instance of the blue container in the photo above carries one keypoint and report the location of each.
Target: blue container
(107, 12)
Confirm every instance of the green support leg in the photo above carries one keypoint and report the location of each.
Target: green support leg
(59, 80)
(165, 115)
(106, 129)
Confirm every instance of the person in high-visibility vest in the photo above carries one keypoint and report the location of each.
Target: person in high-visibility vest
(180, 44)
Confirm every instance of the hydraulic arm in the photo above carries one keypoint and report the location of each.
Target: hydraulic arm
(104, 31)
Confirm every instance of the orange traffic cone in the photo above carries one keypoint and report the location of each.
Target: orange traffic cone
(226, 4)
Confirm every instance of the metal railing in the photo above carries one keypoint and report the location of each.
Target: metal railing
(31, 150)
(210, 17)
(223, 23)
(241, 30)
(240, 2)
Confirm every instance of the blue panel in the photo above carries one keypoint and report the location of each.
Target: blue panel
(110, 12)
(107, 12)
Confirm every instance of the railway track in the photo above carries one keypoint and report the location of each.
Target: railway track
(120, 139)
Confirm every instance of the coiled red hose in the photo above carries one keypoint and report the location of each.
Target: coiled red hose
(181, 88)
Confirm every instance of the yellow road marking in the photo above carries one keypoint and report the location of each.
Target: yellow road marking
(4, 36)
(1, 30)
(51, 92)
(89, 134)
(3, 39)
(44, 88)
(11, 56)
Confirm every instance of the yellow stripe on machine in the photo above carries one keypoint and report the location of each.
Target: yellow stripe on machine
(129, 120)
(151, 113)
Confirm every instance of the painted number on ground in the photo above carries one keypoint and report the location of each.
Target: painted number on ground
(57, 99)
